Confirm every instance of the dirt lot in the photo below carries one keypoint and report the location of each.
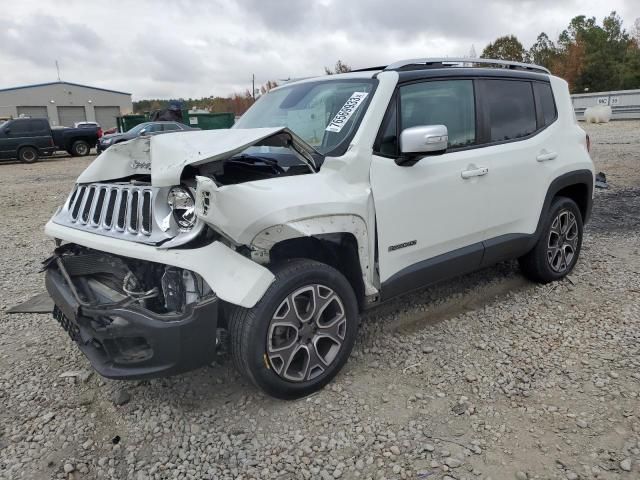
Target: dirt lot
(487, 376)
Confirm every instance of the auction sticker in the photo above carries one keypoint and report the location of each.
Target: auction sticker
(343, 116)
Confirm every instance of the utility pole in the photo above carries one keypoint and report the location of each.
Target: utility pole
(253, 85)
(58, 70)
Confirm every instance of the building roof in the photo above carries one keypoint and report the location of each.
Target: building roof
(62, 83)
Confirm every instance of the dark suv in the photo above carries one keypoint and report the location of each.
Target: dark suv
(26, 139)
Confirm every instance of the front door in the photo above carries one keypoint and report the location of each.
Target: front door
(429, 216)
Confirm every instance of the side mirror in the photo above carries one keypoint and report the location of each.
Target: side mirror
(143, 131)
(424, 139)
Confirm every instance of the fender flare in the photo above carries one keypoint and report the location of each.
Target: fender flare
(265, 240)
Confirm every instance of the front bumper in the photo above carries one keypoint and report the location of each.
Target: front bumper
(233, 277)
(132, 342)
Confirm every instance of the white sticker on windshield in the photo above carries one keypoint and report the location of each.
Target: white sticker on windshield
(343, 116)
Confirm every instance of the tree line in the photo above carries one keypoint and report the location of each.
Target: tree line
(590, 57)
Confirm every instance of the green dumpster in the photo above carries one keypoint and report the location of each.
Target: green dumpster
(208, 121)
(127, 122)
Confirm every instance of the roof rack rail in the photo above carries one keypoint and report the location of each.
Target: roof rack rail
(452, 62)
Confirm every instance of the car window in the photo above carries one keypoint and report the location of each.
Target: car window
(19, 128)
(545, 97)
(39, 126)
(447, 102)
(510, 109)
(170, 126)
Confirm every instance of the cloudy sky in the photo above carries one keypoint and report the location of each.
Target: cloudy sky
(192, 48)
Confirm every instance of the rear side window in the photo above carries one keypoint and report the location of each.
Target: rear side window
(546, 102)
(170, 126)
(39, 126)
(510, 109)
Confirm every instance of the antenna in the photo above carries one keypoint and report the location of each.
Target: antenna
(58, 70)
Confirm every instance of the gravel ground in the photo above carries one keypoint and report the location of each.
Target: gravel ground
(487, 376)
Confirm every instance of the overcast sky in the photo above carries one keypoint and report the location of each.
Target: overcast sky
(191, 48)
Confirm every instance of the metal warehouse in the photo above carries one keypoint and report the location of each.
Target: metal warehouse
(65, 103)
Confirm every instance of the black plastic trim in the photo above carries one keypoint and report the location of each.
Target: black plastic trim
(177, 343)
(427, 272)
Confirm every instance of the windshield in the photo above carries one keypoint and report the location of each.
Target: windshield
(324, 114)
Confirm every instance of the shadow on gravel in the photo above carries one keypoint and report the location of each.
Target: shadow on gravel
(616, 210)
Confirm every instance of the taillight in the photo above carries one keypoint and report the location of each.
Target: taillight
(99, 132)
(588, 143)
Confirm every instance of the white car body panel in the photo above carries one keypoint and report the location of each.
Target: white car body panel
(233, 278)
(165, 156)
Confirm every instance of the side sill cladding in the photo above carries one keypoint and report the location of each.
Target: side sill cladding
(264, 241)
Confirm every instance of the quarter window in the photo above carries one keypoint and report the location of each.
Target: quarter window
(510, 108)
(545, 96)
(449, 103)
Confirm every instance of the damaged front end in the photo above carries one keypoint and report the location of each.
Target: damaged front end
(133, 319)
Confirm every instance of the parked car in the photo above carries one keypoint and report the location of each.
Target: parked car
(29, 138)
(328, 197)
(26, 139)
(147, 128)
(92, 125)
(76, 141)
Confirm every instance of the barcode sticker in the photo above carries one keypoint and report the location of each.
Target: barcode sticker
(348, 109)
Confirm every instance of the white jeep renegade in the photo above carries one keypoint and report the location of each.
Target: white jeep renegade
(329, 196)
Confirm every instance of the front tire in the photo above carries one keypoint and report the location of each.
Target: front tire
(296, 339)
(80, 148)
(28, 155)
(558, 248)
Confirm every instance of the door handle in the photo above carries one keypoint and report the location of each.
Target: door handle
(545, 157)
(476, 172)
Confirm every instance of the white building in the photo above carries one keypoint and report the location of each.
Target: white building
(65, 103)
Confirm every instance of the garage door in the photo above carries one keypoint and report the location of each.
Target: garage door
(33, 112)
(67, 116)
(106, 116)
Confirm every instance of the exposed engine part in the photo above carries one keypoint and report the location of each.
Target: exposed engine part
(100, 279)
(173, 289)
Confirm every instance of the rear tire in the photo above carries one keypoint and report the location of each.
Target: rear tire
(28, 155)
(299, 335)
(80, 148)
(558, 248)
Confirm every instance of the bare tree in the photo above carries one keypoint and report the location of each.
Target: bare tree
(339, 68)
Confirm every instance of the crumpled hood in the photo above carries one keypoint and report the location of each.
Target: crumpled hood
(165, 156)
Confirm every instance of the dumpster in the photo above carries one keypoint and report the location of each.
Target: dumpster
(208, 121)
(127, 122)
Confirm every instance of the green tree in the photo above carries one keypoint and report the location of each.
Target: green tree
(543, 52)
(507, 47)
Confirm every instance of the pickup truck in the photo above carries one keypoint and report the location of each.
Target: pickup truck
(29, 138)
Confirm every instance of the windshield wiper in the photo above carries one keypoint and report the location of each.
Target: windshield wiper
(254, 159)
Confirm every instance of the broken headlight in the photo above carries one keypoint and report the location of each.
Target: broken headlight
(182, 207)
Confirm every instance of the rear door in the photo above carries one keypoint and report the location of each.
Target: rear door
(517, 145)
(428, 214)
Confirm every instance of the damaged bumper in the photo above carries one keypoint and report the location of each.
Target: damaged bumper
(232, 277)
(131, 342)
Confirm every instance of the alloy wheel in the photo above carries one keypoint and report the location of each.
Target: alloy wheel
(306, 333)
(563, 241)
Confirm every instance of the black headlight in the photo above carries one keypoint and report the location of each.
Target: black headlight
(182, 207)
